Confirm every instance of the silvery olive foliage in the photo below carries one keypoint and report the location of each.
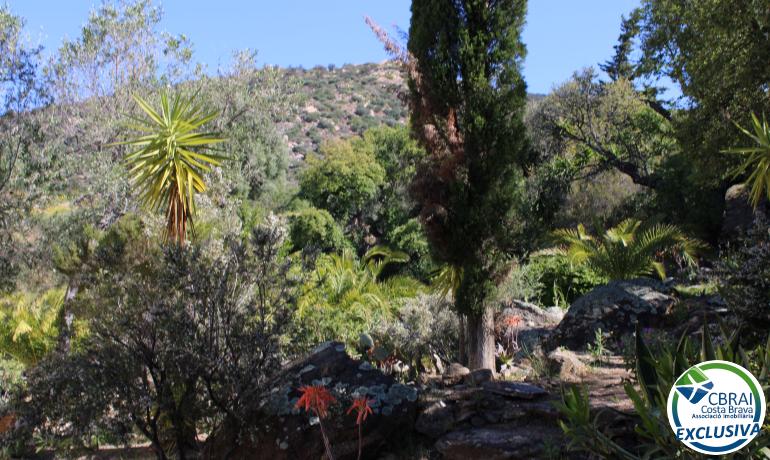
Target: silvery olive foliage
(178, 342)
(425, 326)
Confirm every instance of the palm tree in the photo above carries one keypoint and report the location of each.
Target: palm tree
(757, 161)
(167, 169)
(346, 296)
(627, 250)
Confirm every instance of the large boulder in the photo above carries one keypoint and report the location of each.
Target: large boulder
(739, 215)
(283, 432)
(493, 420)
(534, 322)
(614, 308)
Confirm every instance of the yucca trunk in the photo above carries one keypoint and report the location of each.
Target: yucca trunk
(177, 215)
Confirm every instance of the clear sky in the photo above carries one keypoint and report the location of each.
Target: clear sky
(561, 35)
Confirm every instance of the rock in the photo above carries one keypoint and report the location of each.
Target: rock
(455, 373)
(567, 365)
(438, 364)
(478, 376)
(283, 432)
(739, 216)
(435, 420)
(615, 308)
(499, 442)
(514, 390)
(535, 322)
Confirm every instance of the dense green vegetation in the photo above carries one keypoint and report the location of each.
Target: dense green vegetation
(171, 236)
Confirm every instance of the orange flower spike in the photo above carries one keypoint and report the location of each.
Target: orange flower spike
(512, 321)
(316, 398)
(362, 408)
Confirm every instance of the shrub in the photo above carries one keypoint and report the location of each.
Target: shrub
(626, 250)
(522, 283)
(744, 274)
(28, 325)
(425, 325)
(559, 281)
(411, 239)
(176, 343)
(316, 228)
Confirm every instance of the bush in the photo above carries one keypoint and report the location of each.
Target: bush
(744, 274)
(345, 297)
(522, 283)
(28, 325)
(560, 282)
(177, 341)
(425, 325)
(316, 228)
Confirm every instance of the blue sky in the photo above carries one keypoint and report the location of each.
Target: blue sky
(561, 35)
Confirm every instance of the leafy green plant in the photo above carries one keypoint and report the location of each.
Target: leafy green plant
(168, 167)
(345, 296)
(656, 375)
(627, 250)
(598, 348)
(560, 282)
(29, 325)
(313, 227)
(756, 159)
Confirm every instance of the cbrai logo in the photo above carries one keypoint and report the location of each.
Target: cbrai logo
(716, 407)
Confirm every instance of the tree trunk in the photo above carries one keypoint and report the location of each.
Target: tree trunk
(63, 344)
(481, 339)
(462, 354)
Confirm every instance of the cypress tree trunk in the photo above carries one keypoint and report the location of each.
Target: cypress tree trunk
(481, 339)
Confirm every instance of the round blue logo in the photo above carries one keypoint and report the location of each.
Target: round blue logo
(716, 407)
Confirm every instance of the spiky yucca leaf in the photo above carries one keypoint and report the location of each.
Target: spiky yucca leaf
(171, 158)
(757, 159)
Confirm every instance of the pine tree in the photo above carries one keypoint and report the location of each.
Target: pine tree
(467, 98)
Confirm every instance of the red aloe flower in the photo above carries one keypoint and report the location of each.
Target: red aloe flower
(512, 321)
(362, 408)
(316, 398)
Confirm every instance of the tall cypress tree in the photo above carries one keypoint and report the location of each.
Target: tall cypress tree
(467, 99)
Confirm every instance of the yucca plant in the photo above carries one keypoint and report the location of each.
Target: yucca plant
(627, 250)
(171, 158)
(757, 159)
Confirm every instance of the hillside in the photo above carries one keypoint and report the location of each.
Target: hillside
(341, 102)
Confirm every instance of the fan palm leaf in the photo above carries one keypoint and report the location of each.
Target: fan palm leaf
(627, 250)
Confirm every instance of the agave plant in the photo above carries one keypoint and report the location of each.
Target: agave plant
(757, 159)
(171, 157)
(627, 250)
